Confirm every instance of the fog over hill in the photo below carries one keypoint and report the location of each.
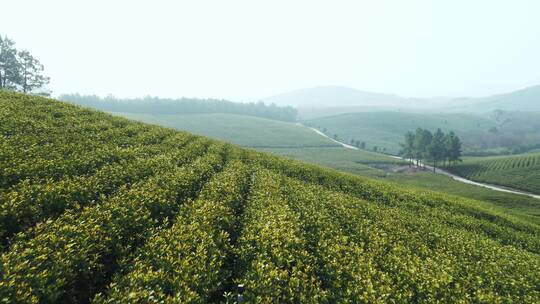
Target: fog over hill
(527, 99)
(338, 99)
(325, 96)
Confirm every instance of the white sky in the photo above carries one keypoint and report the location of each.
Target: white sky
(253, 49)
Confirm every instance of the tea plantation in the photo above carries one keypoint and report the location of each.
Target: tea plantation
(99, 209)
(517, 171)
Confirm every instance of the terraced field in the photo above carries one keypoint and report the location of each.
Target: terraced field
(518, 171)
(96, 208)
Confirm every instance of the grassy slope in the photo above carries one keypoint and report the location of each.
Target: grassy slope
(386, 129)
(516, 171)
(243, 130)
(306, 233)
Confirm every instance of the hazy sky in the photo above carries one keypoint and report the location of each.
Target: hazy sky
(252, 49)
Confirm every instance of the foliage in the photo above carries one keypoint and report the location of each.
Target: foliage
(74, 256)
(425, 146)
(272, 249)
(168, 267)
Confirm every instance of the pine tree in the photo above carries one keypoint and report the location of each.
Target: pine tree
(31, 76)
(9, 65)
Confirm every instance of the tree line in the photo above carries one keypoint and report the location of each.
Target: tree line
(424, 146)
(19, 70)
(154, 105)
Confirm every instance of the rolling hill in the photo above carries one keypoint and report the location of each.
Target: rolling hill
(335, 96)
(527, 99)
(333, 100)
(97, 208)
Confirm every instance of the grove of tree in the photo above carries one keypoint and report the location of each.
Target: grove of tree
(424, 146)
(154, 105)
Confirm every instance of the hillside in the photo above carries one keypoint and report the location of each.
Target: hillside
(109, 210)
(497, 132)
(516, 171)
(247, 131)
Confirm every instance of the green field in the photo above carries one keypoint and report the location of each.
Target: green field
(96, 208)
(489, 133)
(247, 131)
(516, 171)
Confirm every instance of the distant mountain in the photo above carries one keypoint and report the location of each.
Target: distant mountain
(331, 100)
(527, 99)
(335, 96)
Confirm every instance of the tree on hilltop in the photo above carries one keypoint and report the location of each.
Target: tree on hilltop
(9, 65)
(19, 70)
(31, 72)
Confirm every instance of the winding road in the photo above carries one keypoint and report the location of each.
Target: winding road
(440, 171)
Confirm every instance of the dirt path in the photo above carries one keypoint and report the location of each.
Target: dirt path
(336, 141)
(440, 171)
